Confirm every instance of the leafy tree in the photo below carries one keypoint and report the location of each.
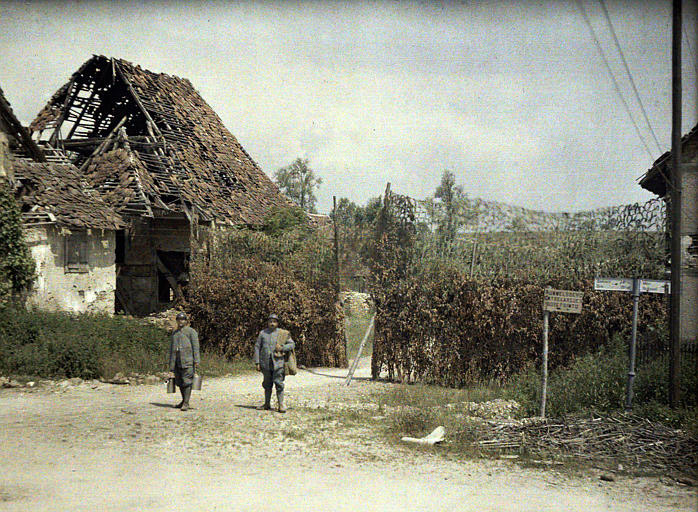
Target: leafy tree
(16, 264)
(281, 219)
(298, 181)
(351, 214)
(355, 225)
(451, 198)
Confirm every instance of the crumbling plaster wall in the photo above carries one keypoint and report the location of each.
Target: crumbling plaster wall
(4, 156)
(689, 240)
(58, 290)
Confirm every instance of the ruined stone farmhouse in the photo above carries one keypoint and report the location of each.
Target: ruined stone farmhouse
(70, 229)
(146, 147)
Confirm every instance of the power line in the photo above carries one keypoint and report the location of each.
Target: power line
(613, 77)
(627, 71)
(690, 51)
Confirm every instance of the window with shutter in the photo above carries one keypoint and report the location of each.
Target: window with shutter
(76, 252)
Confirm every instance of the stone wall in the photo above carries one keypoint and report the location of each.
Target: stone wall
(59, 290)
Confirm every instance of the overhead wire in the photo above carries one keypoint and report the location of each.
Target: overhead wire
(690, 51)
(630, 75)
(595, 38)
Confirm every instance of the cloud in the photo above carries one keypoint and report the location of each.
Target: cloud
(511, 96)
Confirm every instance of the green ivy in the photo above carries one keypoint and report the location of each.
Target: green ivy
(17, 268)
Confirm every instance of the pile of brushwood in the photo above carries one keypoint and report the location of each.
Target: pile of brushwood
(617, 441)
(242, 276)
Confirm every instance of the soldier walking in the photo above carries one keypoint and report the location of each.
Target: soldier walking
(269, 357)
(184, 358)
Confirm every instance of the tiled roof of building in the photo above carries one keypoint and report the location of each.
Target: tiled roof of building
(50, 189)
(656, 179)
(57, 193)
(181, 157)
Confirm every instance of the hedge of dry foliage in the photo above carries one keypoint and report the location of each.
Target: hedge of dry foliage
(453, 331)
(248, 275)
(434, 323)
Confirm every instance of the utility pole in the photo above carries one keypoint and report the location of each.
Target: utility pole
(676, 208)
(336, 243)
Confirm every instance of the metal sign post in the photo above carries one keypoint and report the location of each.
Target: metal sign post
(563, 301)
(636, 287)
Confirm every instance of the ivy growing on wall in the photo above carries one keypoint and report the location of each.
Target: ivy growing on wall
(16, 264)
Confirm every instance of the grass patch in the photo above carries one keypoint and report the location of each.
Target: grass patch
(597, 382)
(417, 409)
(63, 345)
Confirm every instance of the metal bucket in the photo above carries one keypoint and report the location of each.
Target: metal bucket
(196, 384)
(170, 385)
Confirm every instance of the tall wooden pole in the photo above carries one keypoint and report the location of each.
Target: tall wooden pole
(544, 366)
(336, 242)
(676, 208)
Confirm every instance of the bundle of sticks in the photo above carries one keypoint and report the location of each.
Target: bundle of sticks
(631, 441)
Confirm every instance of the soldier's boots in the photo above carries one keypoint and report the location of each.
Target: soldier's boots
(186, 394)
(179, 405)
(280, 399)
(267, 401)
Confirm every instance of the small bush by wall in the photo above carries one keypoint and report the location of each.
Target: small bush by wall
(49, 344)
(16, 264)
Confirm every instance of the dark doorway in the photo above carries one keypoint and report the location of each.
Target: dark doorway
(173, 275)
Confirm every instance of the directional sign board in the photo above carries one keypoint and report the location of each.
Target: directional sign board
(653, 286)
(564, 301)
(625, 284)
(613, 284)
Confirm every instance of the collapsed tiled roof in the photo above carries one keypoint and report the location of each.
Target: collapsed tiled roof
(50, 189)
(656, 179)
(174, 154)
(10, 125)
(56, 193)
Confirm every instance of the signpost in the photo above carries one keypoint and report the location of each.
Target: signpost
(562, 301)
(636, 287)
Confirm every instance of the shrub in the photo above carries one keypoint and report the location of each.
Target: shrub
(445, 328)
(281, 219)
(248, 275)
(597, 381)
(55, 344)
(16, 264)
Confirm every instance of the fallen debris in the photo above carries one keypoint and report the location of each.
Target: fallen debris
(437, 436)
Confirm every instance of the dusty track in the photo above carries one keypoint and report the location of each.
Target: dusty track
(122, 448)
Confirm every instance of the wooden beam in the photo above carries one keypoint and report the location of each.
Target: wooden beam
(124, 303)
(170, 278)
(67, 103)
(82, 112)
(101, 147)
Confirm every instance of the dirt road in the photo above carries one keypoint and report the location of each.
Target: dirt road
(121, 448)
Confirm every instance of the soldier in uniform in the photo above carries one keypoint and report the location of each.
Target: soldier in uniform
(269, 351)
(184, 358)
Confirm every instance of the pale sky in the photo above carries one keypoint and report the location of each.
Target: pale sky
(511, 97)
